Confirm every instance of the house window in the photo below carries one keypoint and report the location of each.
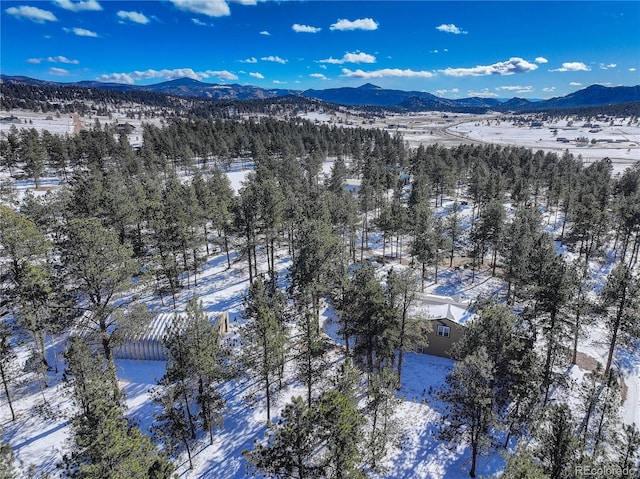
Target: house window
(444, 331)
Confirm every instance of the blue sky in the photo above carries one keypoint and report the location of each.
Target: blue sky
(453, 49)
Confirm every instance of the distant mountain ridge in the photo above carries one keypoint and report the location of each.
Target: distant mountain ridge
(365, 95)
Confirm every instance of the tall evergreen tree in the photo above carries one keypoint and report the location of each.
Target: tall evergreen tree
(264, 337)
(313, 270)
(557, 443)
(292, 445)
(7, 461)
(194, 370)
(104, 443)
(341, 425)
(98, 268)
(310, 361)
(7, 357)
(468, 397)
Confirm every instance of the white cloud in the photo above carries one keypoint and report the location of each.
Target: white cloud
(606, 67)
(81, 32)
(360, 24)
(79, 6)
(512, 66)
(34, 61)
(387, 72)
(572, 67)
(61, 59)
(278, 82)
(117, 78)
(296, 27)
(632, 69)
(319, 76)
(541, 60)
(167, 74)
(199, 22)
(58, 71)
(221, 74)
(34, 14)
(516, 88)
(484, 93)
(210, 8)
(453, 91)
(359, 57)
(275, 59)
(549, 89)
(575, 83)
(134, 17)
(249, 60)
(451, 28)
(257, 75)
(265, 33)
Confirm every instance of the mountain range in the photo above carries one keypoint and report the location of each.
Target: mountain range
(365, 95)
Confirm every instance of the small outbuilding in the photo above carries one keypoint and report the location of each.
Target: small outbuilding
(149, 344)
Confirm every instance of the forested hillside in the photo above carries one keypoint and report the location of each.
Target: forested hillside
(125, 234)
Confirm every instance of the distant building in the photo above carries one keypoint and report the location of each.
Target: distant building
(10, 119)
(125, 128)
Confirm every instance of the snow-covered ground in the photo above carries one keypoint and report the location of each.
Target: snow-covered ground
(620, 142)
(39, 436)
(61, 124)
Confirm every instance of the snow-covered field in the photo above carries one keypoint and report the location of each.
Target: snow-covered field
(57, 124)
(619, 142)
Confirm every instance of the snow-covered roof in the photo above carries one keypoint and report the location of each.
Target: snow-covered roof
(433, 306)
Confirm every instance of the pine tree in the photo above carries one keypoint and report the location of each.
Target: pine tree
(424, 244)
(381, 406)
(7, 463)
(173, 425)
(468, 397)
(341, 425)
(264, 337)
(32, 153)
(522, 465)
(401, 292)
(314, 266)
(104, 443)
(98, 269)
(629, 450)
(310, 361)
(621, 296)
(557, 443)
(517, 371)
(453, 230)
(517, 248)
(7, 357)
(220, 206)
(552, 296)
(291, 446)
(369, 318)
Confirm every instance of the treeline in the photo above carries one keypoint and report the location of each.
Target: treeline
(157, 215)
(619, 110)
(84, 100)
(77, 99)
